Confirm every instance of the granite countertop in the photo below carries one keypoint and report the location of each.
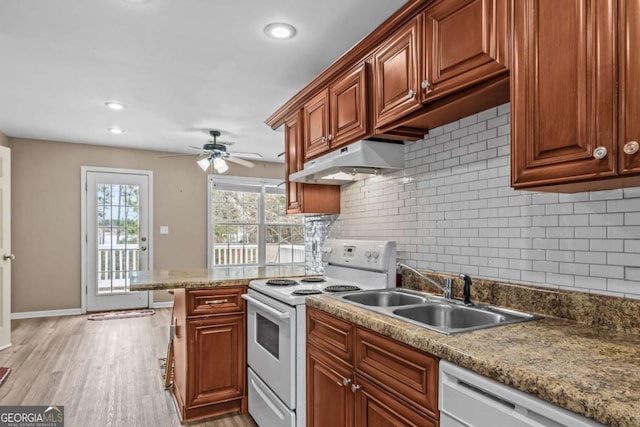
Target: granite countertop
(591, 371)
(208, 278)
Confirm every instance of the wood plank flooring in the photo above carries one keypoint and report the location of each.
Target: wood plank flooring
(105, 373)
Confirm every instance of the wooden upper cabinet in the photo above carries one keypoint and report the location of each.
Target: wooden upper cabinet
(465, 43)
(293, 162)
(396, 73)
(316, 125)
(305, 198)
(629, 127)
(563, 91)
(349, 109)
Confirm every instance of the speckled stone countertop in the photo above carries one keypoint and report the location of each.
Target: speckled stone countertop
(591, 371)
(208, 278)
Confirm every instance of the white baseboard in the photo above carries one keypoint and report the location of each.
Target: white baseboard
(46, 313)
(5, 346)
(162, 304)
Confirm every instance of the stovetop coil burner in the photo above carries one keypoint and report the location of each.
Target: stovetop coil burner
(313, 280)
(303, 292)
(281, 282)
(341, 288)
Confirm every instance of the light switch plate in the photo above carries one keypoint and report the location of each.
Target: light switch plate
(164, 229)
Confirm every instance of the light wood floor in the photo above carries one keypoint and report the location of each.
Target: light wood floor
(104, 373)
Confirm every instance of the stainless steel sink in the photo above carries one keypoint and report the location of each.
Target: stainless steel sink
(387, 298)
(436, 313)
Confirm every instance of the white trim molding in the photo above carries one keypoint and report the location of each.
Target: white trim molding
(46, 313)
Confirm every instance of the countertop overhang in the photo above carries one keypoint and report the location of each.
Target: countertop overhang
(208, 278)
(590, 371)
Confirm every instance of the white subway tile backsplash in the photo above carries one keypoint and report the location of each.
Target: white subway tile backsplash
(458, 213)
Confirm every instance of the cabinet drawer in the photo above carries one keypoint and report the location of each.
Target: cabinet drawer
(405, 372)
(335, 336)
(215, 301)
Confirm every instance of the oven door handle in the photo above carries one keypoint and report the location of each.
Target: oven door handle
(278, 314)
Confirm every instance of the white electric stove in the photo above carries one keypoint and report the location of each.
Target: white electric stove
(276, 324)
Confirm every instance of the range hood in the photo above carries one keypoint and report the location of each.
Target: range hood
(355, 161)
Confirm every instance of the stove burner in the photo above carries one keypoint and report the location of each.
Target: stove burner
(313, 280)
(302, 292)
(341, 288)
(281, 282)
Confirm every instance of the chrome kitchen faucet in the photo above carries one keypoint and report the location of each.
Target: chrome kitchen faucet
(446, 289)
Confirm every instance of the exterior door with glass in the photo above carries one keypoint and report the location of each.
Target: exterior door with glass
(118, 238)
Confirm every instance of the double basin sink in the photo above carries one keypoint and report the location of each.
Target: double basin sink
(436, 313)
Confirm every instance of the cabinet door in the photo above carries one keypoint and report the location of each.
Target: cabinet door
(396, 75)
(562, 91)
(316, 125)
(629, 33)
(349, 110)
(377, 408)
(465, 42)
(293, 162)
(330, 401)
(216, 360)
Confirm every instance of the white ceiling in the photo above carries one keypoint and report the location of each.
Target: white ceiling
(182, 67)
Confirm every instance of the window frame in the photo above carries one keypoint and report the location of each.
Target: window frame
(238, 183)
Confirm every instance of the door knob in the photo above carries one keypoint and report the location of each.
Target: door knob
(9, 257)
(143, 248)
(600, 153)
(631, 147)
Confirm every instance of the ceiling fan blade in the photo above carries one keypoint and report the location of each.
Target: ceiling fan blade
(195, 148)
(178, 155)
(245, 155)
(241, 162)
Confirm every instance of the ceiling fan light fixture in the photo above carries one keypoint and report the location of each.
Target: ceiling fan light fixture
(280, 31)
(220, 165)
(204, 164)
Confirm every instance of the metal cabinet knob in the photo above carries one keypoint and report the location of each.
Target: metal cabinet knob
(330, 137)
(323, 139)
(631, 147)
(9, 257)
(600, 153)
(425, 84)
(411, 93)
(345, 381)
(355, 387)
(143, 248)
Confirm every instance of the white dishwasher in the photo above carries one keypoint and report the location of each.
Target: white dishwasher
(467, 399)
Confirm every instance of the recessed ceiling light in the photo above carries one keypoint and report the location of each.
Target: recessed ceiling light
(117, 131)
(280, 30)
(114, 105)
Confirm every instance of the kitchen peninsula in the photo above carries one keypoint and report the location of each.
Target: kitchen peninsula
(209, 334)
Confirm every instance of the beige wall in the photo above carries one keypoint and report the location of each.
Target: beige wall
(4, 140)
(46, 215)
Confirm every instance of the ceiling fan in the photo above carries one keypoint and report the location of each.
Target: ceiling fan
(215, 154)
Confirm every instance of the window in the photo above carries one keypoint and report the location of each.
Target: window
(249, 224)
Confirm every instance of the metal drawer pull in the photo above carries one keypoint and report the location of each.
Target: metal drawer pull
(600, 153)
(631, 147)
(216, 301)
(265, 307)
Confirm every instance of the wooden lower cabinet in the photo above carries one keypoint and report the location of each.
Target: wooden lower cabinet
(330, 401)
(356, 377)
(209, 353)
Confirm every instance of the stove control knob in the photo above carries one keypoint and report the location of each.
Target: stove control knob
(367, 254)
(375, 255)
